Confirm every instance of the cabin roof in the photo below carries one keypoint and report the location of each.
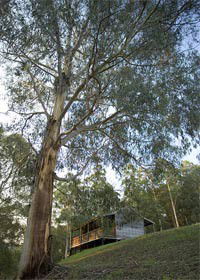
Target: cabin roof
(147, 222)
(93, 219)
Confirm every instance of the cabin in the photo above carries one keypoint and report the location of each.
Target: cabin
(122, 224)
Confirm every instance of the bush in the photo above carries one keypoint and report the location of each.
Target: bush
(9, 259)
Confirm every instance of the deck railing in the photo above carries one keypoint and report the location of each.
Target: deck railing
(89, 236)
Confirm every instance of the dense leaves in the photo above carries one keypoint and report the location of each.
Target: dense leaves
(80, 200)
(16, 182)
(17, 168)
(147, 190)
(188, 200)
(138, 87)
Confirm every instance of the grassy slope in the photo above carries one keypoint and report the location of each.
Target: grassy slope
(171, 254)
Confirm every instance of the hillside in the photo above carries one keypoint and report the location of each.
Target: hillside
(171, 254)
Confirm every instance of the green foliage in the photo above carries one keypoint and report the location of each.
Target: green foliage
(127, 57)
(10, 228)
(59, 234)
(11, 234)
(139, 192)
(188, 200)
(5, 261)
(147, 191)
(102, 194)
(9, 259)
(15, 181)
(80, 200)
(16, 174)
(17, 163)
(76, 201)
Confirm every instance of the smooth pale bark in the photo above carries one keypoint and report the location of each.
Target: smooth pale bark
(36, 255)
(157, 214)
(173, 206)
(68, 241)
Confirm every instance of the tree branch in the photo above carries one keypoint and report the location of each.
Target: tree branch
(73, 98)
(77, 44)
(119, 147)
(56, 177)
(38, 94)
(74, 131)
(32, 61)
(26, 114)
(118, 54)
(27, 119)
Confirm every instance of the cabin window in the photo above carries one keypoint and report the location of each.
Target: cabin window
(84, 229)
(94, 225)
(109, 224)
(75, 233)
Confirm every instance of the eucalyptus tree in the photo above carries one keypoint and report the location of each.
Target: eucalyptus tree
(169, 177)
(88, 78)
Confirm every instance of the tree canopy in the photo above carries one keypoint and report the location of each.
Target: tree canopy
(131, 87)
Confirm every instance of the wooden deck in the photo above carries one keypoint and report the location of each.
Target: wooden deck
(87, 237)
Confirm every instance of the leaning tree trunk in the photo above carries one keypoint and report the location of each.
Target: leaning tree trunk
(173, 206)
(35, 259)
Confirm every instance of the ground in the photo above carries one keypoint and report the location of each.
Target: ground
(171, 254)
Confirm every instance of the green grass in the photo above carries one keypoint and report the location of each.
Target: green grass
(168, 255)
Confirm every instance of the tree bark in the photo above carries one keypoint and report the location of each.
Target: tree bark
(36, 256)
(68, 241)
(157, 214)
(173, 206)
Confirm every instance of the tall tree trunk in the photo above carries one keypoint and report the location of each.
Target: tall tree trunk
(36, 257)
(157, 214)
(173, 206)
(68, 241)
